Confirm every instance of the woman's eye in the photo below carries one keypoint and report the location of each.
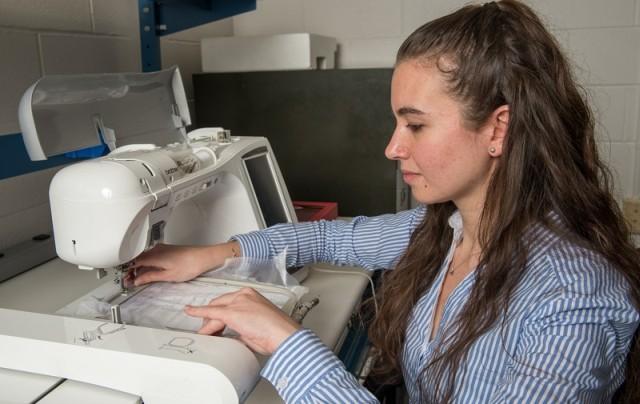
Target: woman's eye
(414, 127)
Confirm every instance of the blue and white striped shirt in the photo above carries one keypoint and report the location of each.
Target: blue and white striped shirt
(566, 337)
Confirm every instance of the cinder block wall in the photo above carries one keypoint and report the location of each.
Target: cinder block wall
(39, 37)
(602, 37)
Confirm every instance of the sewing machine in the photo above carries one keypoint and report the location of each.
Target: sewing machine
(157, 184)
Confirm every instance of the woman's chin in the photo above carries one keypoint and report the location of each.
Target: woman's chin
(424, 197)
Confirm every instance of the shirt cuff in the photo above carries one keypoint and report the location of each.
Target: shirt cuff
(298, 364)
(253, 244)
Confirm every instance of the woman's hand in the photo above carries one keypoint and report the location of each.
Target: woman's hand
(259, 324)
(172, 263)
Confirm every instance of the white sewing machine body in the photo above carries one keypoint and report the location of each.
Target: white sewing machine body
(141, 194)
(108, 210)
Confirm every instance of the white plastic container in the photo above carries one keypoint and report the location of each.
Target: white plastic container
(274, 52)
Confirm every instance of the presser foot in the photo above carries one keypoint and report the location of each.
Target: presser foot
(127, 291)
(122, 279)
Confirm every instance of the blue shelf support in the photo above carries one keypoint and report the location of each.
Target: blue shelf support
(149, 40)
(164, 17)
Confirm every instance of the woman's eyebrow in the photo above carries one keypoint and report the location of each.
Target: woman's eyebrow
(409, 110)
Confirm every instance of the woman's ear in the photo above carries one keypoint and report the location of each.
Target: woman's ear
(499, 125)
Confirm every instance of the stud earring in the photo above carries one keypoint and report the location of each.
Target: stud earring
(492, 150)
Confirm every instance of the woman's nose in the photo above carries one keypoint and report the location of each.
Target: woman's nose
(396, 149)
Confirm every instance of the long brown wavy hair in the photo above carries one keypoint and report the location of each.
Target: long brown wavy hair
(503, 55)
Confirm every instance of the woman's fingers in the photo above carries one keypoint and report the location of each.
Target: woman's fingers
(211, 327)
(146, 259)
(212, 323)
(208, 312)
(148, 275)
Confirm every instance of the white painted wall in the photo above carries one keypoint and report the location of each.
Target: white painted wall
(87, 36)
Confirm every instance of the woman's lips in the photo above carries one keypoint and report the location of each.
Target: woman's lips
(409, 176)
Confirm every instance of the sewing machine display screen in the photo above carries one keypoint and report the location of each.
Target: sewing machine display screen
(266, 189)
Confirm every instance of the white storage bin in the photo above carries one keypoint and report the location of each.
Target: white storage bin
(274, 52)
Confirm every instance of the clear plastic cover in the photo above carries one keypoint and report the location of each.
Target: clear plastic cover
(65, 113)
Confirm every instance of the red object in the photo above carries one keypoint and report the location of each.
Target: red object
(312, 211)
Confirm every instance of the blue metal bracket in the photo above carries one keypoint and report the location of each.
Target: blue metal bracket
(149, 39)
(164, 17)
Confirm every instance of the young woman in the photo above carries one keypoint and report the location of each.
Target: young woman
(515, 281)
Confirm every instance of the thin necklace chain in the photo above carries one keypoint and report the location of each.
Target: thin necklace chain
(452, 270)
